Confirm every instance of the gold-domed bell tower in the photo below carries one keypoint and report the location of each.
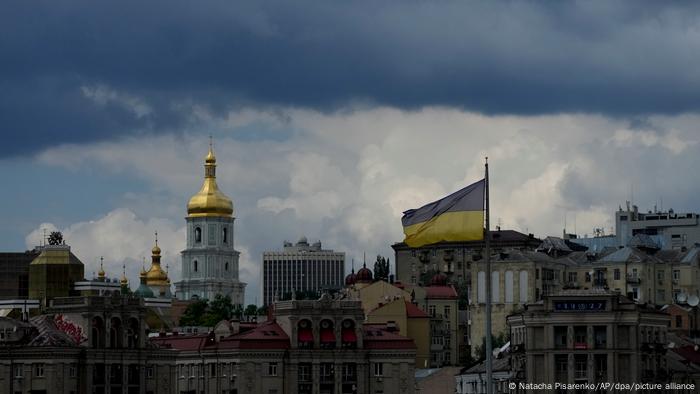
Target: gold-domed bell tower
(210, 262)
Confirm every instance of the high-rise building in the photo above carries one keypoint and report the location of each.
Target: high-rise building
(210, 262)
(301, 267)
(14, 273)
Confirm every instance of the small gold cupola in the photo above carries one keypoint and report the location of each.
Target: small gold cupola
(101, 273)
(210, 201)
(155, 275)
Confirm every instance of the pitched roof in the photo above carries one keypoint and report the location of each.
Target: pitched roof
(412, 311)
(376, 337)
(443, 292)
(268, 335)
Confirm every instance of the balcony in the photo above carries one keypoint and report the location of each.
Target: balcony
(633, 279)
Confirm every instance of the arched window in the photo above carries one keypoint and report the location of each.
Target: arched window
(225, 235)
(115, 333)
(327, 334)
(305, 336)
(348, 334)
(195, 266)
(132, 334)
(197, 235)
(226, 266)
(98, 333)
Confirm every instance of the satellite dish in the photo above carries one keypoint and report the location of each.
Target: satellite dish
(693, 300)
(682, 297)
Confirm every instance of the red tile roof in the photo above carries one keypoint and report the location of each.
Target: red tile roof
(412, 311)
(375, 336)
(689, 353)
(445, 292)
(268, 335)
(184, 342)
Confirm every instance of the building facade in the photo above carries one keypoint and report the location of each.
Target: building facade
(210, 262)
(14, 274)
(589, 336)
(310, 347)
(301, 267)
(671, 230)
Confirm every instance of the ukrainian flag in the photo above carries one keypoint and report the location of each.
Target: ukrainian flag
(457, 217)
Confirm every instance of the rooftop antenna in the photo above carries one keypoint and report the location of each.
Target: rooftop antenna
(156, 238)
(575, 223)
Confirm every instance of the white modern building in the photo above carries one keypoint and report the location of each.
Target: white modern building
(670, 229)
(301, 268)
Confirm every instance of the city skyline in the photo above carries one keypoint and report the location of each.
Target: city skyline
(331, 128)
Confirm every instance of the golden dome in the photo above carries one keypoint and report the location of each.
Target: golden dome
(210, 201)
(123, 281)
(101, 272)
(155, 276)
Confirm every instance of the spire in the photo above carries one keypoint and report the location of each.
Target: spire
(101, 272)
(124, 281)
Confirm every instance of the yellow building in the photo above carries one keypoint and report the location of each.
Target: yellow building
(387, 304)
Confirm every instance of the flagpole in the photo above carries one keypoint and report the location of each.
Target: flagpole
(487, 237)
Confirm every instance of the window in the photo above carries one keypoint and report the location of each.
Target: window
(197, 235)
(676, 275)
(226, 266)
(413, 253)
(660, 275)
(272, 369)
(447, 312)
(588, 276)
(195, 266)
(431, 310)
(413, 280)
(304, 372)
(378, 369)
(212, 370)
(150, 371)
(326, 372)
(39, 371)
(71, 371)
(349, 372)
(660, 296)
(18, 371)
(434, 252)
(225, 235)
(635, 293)
(679, 321)
(572, 277)
(616, 274)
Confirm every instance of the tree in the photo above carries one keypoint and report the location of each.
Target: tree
(496, 342)
(219, 309)
(381, 269)
(262, 311)
(251, 310)
(194, 313)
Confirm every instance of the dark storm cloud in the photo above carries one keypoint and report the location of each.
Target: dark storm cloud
(614, 58)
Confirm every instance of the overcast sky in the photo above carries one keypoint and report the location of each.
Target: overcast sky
(331, 118)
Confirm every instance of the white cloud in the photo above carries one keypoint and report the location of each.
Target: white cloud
(103, 95)
(347, 177)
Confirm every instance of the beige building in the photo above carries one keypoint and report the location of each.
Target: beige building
(518, 277)
(588, 336)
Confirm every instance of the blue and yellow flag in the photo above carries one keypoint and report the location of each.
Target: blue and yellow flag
(457, 217)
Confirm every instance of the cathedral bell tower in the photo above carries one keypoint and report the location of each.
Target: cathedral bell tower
(210, 262)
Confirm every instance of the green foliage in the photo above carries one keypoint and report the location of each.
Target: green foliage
(194, 313)
(208, 314)
(496, 342)
(219, 309)
(251, 310)
(427, 276)
(262, 311)
(381, 269)
(463, 292)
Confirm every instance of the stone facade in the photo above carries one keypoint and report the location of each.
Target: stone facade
(579, 336)
(311, 346)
